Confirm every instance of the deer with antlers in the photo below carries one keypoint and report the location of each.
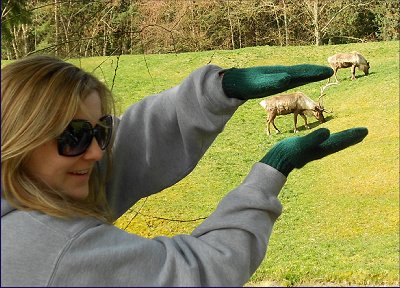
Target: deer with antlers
(298, 104)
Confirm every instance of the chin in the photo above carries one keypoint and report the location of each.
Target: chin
(79, 194)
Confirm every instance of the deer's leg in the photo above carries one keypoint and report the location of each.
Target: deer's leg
(272, 120)
(353, 72)
(268, 124)
(295, 123)
(276, 128)
(305, 120)
(335, 73)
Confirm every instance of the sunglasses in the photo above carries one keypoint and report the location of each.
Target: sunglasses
(78, 136)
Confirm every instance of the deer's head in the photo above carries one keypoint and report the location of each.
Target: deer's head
(365, 68)
(318, 113)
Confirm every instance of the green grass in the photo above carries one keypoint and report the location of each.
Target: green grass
(340, 221)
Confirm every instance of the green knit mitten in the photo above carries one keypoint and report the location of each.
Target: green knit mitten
(295, 152)
(262, 81)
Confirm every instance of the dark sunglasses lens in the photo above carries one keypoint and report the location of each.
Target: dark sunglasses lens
(75, 139)
(103, 131)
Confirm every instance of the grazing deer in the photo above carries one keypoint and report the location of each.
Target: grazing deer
(298, 104)
(346, 60)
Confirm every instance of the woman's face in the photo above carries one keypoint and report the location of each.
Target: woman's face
(69, 175)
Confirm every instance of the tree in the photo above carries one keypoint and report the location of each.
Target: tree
(14, 15)
(72, 28)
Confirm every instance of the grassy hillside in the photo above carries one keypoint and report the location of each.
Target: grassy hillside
(341, 215)
(340, 222)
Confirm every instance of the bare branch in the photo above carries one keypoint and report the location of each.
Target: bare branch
(145, 60)
(5, 11)
(334, 16)
(115, 72)
(137, 213)
(172, 219)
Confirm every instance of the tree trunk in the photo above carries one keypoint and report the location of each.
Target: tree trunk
(278, 26)
(285, 23)
(14, 42)
(56, 27)
(131, 30)
(105, 40)
(231, 27)
(316, 24)
(25, 28)
(240, 33)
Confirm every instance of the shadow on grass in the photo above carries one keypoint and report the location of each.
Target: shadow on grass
(357, 77)
(312, 125)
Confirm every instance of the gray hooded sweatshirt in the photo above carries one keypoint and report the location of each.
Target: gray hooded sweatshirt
(159, 140)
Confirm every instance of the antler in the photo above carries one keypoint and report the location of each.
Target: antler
(327, 111)
(323, 89)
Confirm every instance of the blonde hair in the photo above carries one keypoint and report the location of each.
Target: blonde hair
(40, 96)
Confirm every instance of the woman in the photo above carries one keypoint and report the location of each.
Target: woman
(69, 169)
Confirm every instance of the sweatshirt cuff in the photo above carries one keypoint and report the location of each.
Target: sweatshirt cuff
(265, 178)
(215, 94)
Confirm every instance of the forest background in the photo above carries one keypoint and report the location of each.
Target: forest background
(70, 28)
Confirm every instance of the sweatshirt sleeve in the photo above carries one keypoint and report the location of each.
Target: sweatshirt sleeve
(160, 139)
(225, 250)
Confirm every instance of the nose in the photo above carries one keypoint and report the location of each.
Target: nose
(321, 118)
(94, 151)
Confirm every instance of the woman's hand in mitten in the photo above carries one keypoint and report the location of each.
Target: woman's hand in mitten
(295, 152)
(262, 81)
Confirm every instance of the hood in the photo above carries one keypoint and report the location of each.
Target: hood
(5, 207)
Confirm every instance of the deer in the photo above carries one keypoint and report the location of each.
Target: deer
(297, 103)
(346, 60)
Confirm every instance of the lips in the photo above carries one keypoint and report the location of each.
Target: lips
(80, 172)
